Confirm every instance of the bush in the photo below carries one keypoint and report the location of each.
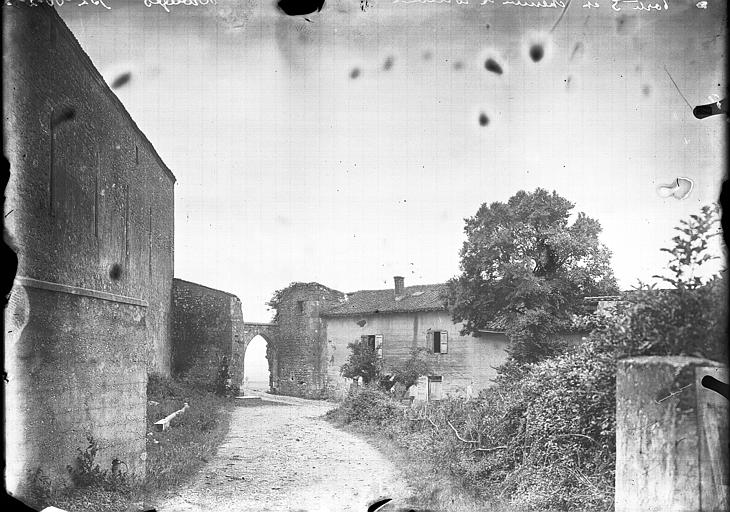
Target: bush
(363, 362)
(544, 435)
(367, 405)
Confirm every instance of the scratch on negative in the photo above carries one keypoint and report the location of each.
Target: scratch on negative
(670, 395)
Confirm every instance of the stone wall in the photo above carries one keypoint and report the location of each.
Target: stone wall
(207, 326)
(92, 221)
(301, 346)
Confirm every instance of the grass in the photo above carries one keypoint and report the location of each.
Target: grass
(433, 488)
(173, 456)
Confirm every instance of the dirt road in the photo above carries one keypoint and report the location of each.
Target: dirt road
(285, 457)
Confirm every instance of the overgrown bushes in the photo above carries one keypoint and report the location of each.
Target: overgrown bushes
(543, 437)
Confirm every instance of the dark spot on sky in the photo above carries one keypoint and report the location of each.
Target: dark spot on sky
(300, 7)
(624, 24)
(388, 64)
(483, 119)
(646, 89)
(121, 80)
(537, 52)
(458, 65)
(355, 73)
(427, 55)
(66, 114)
(577, 50)
(493, 66)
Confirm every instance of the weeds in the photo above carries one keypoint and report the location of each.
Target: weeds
(176, 454)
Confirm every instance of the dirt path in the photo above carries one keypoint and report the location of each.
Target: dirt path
(285, 457)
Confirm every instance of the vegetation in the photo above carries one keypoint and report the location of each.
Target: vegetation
(543, 438)
(409, 371)
(363, 362)
(94, 488)
(173, 456)
(524, 263)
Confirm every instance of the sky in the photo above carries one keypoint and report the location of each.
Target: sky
(350, 146)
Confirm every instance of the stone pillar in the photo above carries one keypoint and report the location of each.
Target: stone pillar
(671, 436)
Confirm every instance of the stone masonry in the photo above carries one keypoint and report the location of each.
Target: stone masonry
(92, 223)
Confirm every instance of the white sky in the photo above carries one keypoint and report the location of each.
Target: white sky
(290, 170)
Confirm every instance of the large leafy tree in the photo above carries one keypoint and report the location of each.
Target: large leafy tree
(362, 362)
(526, 265)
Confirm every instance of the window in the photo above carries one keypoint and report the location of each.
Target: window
(437, 341)
(434, 387)
(300, 306)
(375, 342)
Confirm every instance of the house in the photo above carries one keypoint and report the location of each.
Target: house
(397, 320)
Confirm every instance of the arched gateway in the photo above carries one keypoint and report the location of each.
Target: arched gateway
(268, 332)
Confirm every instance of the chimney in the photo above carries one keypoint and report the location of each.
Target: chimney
(398, 286)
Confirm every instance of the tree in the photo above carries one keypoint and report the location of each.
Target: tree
(410, 370)
(362, 362)
(525, 264)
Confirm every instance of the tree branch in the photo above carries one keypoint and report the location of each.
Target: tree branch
(459, 437)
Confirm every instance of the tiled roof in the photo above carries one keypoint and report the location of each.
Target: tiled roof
(427, 297)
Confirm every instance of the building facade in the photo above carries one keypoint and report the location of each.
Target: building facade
(396, 321)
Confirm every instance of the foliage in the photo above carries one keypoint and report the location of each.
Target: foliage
(39, 491)
(85, 473)
(174, 455)
(363, 362)
(544, 435)
(523, 262)
(689, 319)
(409, 371)
(368, 404)
(691, 248)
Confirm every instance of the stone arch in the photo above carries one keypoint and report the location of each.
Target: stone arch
(269, 332)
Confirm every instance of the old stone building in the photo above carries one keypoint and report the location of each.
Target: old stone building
(314, 325)
(397, 320)
(90, 211)
(299, 366)
(207, 332)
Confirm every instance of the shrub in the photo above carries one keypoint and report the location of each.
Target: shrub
(409, 371)
(367, 405)
(363, 362)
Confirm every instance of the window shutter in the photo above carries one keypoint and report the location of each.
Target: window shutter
(444, 342)
(429, 340)
(379, 345)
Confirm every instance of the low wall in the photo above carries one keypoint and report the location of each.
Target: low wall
(671, 436)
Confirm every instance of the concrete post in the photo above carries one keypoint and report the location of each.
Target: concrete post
(671, 436)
